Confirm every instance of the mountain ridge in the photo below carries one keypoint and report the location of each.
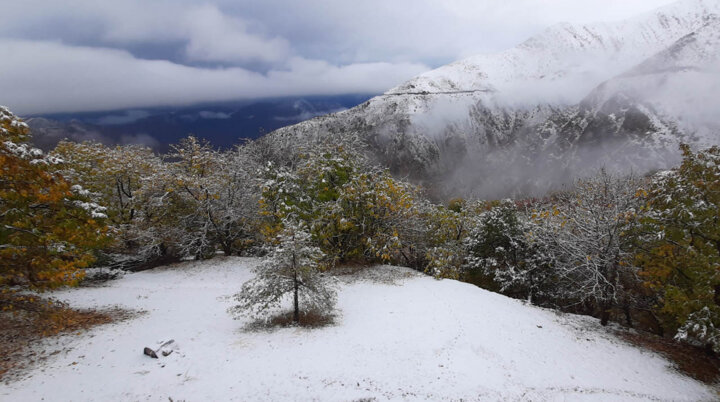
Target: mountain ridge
(533, 122)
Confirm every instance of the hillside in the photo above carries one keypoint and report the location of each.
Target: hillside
(399, 336)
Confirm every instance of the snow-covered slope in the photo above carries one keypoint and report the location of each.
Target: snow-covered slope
(400, 336)
(556, 106)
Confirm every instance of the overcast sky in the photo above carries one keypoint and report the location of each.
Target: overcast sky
(83, 55)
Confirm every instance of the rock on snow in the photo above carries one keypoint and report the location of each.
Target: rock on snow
(400, 336)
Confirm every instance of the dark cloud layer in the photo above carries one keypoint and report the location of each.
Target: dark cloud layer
(79, 55)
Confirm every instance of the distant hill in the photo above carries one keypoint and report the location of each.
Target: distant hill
(223, 124)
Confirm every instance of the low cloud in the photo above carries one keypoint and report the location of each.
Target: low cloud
(49, 77)
(206, 114)
(128, 116)
(307, 115)
(140, 139)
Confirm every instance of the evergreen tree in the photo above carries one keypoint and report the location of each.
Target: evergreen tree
(500, 246)
(289, 271)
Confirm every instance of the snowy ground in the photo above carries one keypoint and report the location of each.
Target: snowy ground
(400, 336)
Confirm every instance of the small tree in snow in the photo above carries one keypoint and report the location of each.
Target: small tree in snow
(290, 270)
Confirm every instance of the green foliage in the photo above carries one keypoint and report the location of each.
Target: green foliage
(115, 176)
(135, 185)
(497, 240)
(457, 205)
(190, 203)
(445, 229)
(501, 247)
(680, 245)
(354, 213)
(365, 222)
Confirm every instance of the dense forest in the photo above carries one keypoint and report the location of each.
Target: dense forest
(641, 251)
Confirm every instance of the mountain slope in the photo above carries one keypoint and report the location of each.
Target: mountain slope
(637, 118)
(530, 118)
(679, 84)
(399, 336)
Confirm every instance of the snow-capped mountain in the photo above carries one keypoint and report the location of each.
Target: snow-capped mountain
(566, 54)
(574, 97)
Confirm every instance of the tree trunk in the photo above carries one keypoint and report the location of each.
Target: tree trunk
(604, 317)
(659, 326)
(407, 260)
(296, 304)
(604, 313)
(628, 316)
(296, 312)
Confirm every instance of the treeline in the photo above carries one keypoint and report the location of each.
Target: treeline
(643, 251)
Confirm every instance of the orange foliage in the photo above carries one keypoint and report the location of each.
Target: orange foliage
(47, 232)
